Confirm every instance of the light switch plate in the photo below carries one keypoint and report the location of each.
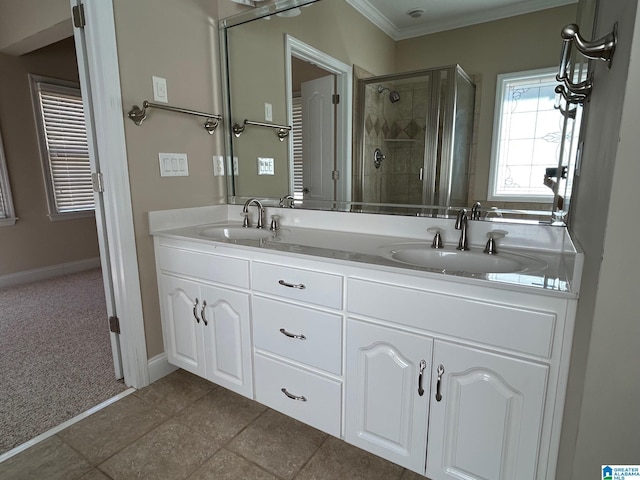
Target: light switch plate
(268, 112)
(235, 166)
(265, 166)
(160, 89)
(218, 166)
(173, 164)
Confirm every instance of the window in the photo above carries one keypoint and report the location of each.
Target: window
(63, 146)
(7, 215)
(296, 135)
(527, 136)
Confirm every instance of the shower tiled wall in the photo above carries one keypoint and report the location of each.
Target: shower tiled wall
(398, 129)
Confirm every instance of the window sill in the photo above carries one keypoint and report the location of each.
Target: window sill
(7, 222)
(57, 217)
(520, 199)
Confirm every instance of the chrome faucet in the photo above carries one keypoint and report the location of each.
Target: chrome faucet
(245, 212)
(475, 210)
(287, 201)
(461, 224)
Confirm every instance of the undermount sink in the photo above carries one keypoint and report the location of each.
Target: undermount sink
(460, 261)
(237, 232)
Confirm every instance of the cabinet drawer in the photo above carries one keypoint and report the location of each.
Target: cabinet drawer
(322, 396)
(318, 335)
(516, 328)
(298, 284)
(214, 268)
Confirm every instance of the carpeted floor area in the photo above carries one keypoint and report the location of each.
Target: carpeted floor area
(55, 354)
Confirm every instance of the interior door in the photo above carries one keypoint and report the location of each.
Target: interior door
(318, 138)
(81, 53)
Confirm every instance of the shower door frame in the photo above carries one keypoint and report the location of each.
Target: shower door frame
(432, 149)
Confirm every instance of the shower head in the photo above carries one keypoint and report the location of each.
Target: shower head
(394, 96)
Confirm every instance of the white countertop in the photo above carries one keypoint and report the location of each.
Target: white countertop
(558, 273)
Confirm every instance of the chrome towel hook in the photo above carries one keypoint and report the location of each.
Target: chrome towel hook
(601, 49)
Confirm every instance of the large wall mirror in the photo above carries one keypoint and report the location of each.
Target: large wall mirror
(344, 107)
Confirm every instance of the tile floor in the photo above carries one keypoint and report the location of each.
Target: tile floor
(183, 427)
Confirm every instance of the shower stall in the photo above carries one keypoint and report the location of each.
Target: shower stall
(413, 138)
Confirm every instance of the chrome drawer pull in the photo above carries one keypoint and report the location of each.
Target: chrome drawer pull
(293, 397)
(440, 371)
(204, 319)
(299, 286)
(292, 335)
(195, 308)
(423, 365)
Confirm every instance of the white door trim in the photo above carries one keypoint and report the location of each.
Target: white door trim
(101, 63)
(344, 88)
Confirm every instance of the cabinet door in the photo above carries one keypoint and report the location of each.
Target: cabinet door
(227, 339)
(386, 410)
(181, 303)
(487, 422)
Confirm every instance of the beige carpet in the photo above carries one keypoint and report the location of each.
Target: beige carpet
(55, 354)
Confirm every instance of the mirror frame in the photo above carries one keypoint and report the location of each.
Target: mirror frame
(520, 215)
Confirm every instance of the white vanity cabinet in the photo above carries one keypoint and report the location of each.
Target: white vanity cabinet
(206, 326)
(487, 368)
(450, 378)
(183, 337)
(486, 414)
(387, 398)
(297, 327)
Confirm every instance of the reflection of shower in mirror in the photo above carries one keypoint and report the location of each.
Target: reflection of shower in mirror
(394, 96)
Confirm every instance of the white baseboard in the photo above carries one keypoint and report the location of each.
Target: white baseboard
(159, 367)
(44, 273)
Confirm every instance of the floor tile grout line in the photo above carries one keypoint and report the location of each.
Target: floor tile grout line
(325, 440)
(198, 467)
(226, 446)
(239, 455)
(128, 444)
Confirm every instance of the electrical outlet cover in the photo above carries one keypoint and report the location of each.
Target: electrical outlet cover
(218, 166)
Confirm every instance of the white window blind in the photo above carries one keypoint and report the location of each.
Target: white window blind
(297, 148)
(64, 146)
(7, 214)
(527, 135)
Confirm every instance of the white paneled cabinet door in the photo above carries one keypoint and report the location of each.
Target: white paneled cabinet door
(486, 411)
(225, 316)
(181, 304)
(387, 398)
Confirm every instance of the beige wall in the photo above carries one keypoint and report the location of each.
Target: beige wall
(601, 414)
(26, 25)
(35, 241)
(514, 44)
(179, 43)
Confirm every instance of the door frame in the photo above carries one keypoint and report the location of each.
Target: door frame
(102, 82)
(344, 121)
